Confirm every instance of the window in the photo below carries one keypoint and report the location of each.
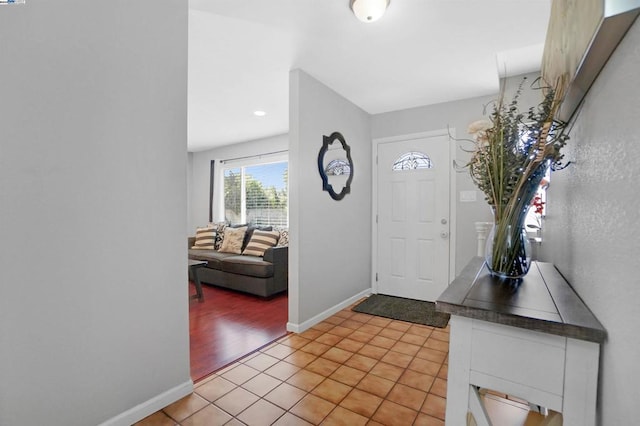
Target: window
(257, 194)
(412, 161)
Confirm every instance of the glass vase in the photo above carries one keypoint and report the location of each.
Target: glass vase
(508, 250)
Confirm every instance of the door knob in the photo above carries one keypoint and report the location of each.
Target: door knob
(444, 234)
(443, 221)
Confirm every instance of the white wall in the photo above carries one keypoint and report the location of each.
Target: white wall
(93, 294)
(200, 169)
(329, 251)
(592, 228)
(456, 116)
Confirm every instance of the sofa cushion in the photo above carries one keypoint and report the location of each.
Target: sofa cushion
(233, 240)
(247, 265)
(205, 238)
(260, 241)
(283, 241)
(212, 257)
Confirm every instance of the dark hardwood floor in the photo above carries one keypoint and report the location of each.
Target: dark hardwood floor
(229, 325)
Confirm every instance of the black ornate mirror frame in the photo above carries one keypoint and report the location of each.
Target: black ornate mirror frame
(326, 186)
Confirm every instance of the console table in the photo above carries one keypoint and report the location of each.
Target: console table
(537, 341)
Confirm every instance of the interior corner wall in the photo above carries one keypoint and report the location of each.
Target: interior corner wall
(200, 172)
(93, 266)
(330, 241)
(591, 231)
(456, 115)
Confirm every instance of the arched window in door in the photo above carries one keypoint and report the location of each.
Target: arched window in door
(412, 160)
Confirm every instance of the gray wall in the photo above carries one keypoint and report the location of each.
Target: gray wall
(457, 116)
(330, 245)
(93, 295)
(200, 169)
(592, 231)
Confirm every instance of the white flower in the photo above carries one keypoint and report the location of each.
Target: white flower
(478, 130)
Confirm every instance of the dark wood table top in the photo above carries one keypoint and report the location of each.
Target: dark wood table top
(542, 301)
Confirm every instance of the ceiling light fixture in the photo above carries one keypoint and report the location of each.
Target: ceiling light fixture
(259, 113)
(368, 10)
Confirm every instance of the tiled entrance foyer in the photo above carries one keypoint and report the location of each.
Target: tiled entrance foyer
(351, 369)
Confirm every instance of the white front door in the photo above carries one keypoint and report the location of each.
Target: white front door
(413, 217)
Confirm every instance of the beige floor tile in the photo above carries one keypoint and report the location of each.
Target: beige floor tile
(425, 366)
(363, 318)
(315, 348)
(262, 384)
(372, 351)
(419, 330)
(347, 375)
(290, 420)
(407, 396)
(437, 344)
(295, 341)
(311, 333)
(300, 358)
(337, 355)
(331, 390)
(434, 406)
(439, 387)
(215, 388)
(361, 362)
(345, 313)
(156, 419)
(361, 336)
(329, 339)
(426, 420)
(379, 321)
(185, 407)
(234, 422)
(417, 380)
(322, 366)
(375, 385)
(261, 362)
(282, 370)
(371, 329)
(352, 324)
(440, 335)
(339, 330)
(334, 320)
(391, 414)
(391, 334)
(343, 417)
(349, 345)
(387, 371)
(240, 374)
(262, 413)
(414, 339)
(285, 396)
(280, 351)
(305, 380)
(397, 359)
(431, 355)
(361, 402)
(399, 325)
(312, 409)
(444, 372)
(236, 401)
(405, 348)
(383, 342)
(208, 416)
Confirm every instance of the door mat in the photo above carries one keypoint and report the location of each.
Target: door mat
(399, 308)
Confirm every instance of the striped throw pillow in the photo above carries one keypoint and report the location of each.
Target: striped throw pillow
(205, 238)
(260, 242)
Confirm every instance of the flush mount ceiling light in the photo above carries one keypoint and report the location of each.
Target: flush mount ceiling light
(259, 113)
(368, 10)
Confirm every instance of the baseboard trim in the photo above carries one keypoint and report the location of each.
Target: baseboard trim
(150, 406)
(299, 328)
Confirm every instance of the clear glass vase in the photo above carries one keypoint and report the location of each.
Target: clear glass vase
(508, 251)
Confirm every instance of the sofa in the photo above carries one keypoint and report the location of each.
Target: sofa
(261, 276)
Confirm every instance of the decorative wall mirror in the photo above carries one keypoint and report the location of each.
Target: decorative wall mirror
(335, 166)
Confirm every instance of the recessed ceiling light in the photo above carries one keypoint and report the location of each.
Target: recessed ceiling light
(259, 113)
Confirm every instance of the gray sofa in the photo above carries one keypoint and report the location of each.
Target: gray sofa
(261, 276)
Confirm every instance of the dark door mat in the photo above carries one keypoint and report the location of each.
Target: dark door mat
(399, 308)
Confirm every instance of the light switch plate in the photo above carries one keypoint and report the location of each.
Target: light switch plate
(468, 196)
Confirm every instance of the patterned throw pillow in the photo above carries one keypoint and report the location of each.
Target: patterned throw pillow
(283, 241)
(260, 242)
(219, 227)
(205, 238)
(232, 242)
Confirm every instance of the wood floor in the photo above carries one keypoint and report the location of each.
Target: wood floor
(229, 325)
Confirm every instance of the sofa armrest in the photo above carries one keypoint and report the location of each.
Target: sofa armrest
(191, 241)
(279, 257)
(276, 255)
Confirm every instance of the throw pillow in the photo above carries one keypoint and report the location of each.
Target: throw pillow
(232, 242)
(250, 229)
(205, 238)
(219, 227)
(260, 242)
(283, 241)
